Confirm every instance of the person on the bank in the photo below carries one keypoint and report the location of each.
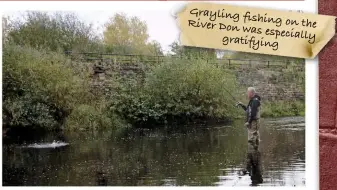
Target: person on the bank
(252, 116)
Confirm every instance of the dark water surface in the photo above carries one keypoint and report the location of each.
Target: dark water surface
(207, 156)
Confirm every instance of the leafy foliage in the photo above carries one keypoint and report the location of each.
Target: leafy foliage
(91, 118)
(179, 91)
(38, 85)
(129, 35)
(53, 32)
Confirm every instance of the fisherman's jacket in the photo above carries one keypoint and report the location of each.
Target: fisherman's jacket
(253, 109)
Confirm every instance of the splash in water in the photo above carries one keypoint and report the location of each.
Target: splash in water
(54, 144)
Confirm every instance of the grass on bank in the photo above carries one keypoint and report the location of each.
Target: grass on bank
(283, 108)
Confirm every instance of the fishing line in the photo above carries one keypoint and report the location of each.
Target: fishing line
(230, 95)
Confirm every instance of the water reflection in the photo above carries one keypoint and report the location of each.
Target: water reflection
(254, 163)
(101, 179)
(194, 156)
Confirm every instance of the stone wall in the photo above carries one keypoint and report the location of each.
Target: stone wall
(272, 83)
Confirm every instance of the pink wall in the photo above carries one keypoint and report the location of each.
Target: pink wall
(328, 105)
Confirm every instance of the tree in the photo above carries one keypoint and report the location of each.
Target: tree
(54, 32)
(155, 48)
(129, 35)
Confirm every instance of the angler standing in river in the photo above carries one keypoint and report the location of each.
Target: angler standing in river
(252, 116)
(253, 162)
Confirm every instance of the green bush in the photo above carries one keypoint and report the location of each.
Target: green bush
(38, 88)
(283, 108)
(179, 91)
(87, 117)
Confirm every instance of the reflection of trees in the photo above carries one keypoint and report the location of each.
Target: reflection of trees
(193, 157)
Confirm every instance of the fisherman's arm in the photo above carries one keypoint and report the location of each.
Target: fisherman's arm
(252, 115)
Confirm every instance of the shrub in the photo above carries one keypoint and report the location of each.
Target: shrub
(87, 117)
(178, 91)
(38, 88)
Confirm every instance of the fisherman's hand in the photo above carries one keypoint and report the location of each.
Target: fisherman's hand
(247, 124)
(239, 104)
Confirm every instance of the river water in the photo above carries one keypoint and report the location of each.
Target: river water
(193, 156)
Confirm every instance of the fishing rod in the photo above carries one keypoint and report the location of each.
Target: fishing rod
(231, 95)
(237, 102)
